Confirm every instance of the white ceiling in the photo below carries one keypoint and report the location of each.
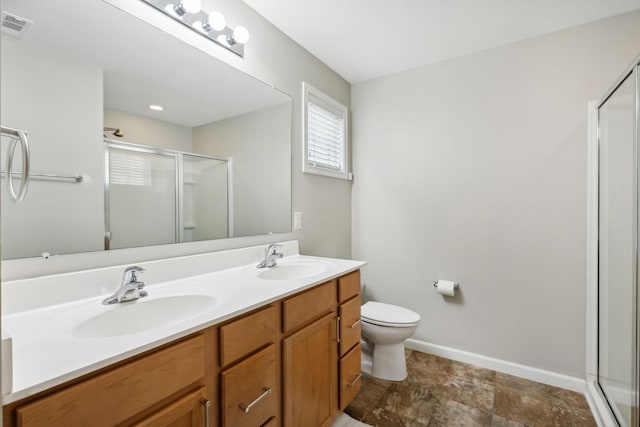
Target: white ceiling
(365, 39)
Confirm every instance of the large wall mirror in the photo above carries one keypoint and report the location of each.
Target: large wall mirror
(214, 163)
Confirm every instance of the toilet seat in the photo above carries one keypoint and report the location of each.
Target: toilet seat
(377, 313)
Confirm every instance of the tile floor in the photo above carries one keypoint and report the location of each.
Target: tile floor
(441, 392)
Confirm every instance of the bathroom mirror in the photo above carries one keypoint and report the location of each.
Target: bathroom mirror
(107, 171)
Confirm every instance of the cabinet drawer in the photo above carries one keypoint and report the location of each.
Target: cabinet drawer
(349, 324)
(349, 286)
(245, 335)
(350, 376)
(301, 309)
(249, 390)
(191, 410)
(122, 392)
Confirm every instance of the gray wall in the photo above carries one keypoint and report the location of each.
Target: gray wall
(474, 170)
(147, 131)
(66, 114)
(259, 148)
(325, 202)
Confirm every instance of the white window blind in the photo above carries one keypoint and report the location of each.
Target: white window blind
(325, 134)
(127, 169)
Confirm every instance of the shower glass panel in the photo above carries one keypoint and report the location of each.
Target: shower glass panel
(141, 198)
(205, 198)
(617, 305)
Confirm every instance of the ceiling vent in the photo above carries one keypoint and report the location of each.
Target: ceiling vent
(14, 25)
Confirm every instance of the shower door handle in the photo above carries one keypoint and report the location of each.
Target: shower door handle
(21, 136)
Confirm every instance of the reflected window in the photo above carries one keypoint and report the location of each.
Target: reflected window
(128, 169)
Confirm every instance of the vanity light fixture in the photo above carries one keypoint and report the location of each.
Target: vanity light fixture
(212, 25)
(155, 107)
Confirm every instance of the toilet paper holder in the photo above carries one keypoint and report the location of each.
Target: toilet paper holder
(455, 285)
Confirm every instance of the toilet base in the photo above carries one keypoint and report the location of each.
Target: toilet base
(389, 362)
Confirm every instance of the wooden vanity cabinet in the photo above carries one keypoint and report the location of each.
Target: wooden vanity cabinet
(294, 362)
(167, 384)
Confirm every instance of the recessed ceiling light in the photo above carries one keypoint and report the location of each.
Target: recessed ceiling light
(156, 107)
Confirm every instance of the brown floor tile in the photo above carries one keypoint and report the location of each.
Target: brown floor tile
(412, 402)
(470, 391)
(568, 399)
(383, 418)
(520, 384)
(455, 414)
(498, 421)
(466, 370)
(427, 369)
(372, 392)
(442, 393)
(566, 417)
(526, 407)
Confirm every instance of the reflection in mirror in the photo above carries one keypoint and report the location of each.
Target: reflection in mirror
(216, 158)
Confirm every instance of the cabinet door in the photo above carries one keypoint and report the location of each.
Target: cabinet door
(190, 411)
(310, 374)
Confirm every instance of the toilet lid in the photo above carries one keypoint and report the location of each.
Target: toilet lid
(387, 314)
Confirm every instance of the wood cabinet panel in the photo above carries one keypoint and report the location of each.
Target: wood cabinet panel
(241, 337)
(301, 309)
(310, 374)
(350, 326)
(121, 393)
(350, 376)
(188, 411)
(244, 383)
(348, 286)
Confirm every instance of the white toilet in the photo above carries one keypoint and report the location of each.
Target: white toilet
(385, 327)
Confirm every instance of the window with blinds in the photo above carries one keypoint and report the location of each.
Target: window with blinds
(325, 134)
(128, 169)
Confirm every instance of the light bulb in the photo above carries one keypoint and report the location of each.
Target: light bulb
(215, 21)
(191, 6)
(240, 35)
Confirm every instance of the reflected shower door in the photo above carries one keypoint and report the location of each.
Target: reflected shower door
(617, 282)
(141, 198)
(205, 198)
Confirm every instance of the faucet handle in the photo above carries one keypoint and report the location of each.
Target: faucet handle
(133, 273)
(273, 249)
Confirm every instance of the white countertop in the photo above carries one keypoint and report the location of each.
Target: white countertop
(45, 353)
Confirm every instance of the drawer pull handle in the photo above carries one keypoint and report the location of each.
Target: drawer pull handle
(356, 323)
(247, 408)
(352, 383)
(207, 405)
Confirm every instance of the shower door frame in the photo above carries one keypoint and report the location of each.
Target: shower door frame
(179, 185)
(596, 397)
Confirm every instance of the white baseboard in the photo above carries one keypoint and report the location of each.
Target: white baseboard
(515, 369)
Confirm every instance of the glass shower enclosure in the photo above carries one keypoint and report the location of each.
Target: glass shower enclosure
(158, 196)
(617, 277)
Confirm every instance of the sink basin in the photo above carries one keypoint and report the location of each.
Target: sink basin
(291, 270)
(163, 307)
(141, 315)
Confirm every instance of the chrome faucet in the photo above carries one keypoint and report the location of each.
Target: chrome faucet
(271, 254)
(130, 289)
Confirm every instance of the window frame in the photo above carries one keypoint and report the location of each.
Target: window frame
(309, 91)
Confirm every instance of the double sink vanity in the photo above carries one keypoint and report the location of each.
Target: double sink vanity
(218, 342)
